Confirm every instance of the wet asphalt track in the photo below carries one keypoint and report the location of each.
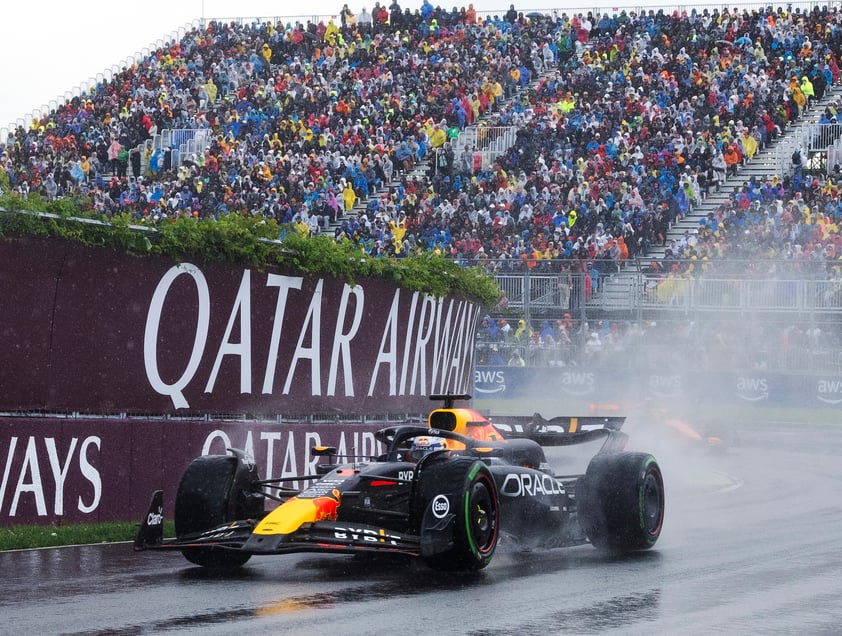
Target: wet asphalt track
(751, 545)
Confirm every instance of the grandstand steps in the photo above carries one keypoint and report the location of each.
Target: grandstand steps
(470, 134)
(764, 165)
(418, 171)
(617, 292)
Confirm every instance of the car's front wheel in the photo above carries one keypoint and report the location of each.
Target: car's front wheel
(210, 495)
(461, 514)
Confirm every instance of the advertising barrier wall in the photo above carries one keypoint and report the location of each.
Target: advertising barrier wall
(65, 470)
(577, 386)
(97, 331)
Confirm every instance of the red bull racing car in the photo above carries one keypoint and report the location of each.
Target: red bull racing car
(446, 492)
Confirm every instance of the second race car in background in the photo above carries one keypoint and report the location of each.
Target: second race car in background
(668, 422)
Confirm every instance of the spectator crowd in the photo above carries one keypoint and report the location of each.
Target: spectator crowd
(625, 123)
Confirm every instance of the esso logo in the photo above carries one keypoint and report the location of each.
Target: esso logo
(440, 506)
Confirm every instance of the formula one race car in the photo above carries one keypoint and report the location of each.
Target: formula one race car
(446, 492)
(664, 424)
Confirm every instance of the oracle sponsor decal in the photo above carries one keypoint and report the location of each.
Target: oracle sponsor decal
(531, 484)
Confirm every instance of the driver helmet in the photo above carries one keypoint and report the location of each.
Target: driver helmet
(423, 446)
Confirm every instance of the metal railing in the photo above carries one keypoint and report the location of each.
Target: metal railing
(811, 138)
(776, 315)
(812, 290)
(183, 143)
(187, 143)
(834, 152)
(489, 142)
(730, 295)
(538, 291)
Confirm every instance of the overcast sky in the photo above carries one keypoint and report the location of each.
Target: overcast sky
(49, 48)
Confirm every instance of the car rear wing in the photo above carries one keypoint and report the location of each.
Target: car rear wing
(562, 430)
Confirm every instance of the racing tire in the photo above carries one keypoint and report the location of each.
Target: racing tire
(210, 494)
(621, 502)
(470, 527)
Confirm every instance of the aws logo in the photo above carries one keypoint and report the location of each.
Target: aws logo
(489, 381)
(576, 383)
(829, 391)
(752, 389)
(664, 385)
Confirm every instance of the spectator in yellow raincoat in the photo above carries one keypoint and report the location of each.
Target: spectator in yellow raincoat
(301, 226)
(349, 197)
(672, 289)
(497, 90)
(211, 90)
(799, 98)
(749, 144)
(331, 31)
(85, 164)
(475, 106)
(398, 227)
(436, 134)
(567, 103)
(523, 332)
(807, 89)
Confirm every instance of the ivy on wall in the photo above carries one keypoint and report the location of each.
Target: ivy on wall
(240, 239)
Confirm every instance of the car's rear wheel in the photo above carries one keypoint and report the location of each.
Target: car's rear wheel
(209, 495)
(621, 501)
(461, 509)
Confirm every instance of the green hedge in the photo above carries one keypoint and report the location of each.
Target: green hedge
(242, 240)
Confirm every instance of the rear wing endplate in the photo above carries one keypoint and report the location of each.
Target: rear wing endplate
(151, 531)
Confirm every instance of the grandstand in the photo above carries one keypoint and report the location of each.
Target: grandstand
(594, 160)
